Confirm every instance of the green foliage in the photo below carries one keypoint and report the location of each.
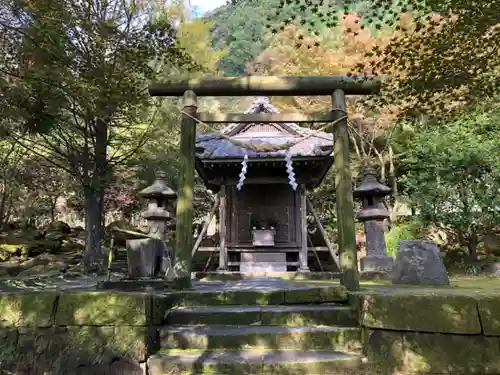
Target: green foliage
(451, 174)
(403, 231)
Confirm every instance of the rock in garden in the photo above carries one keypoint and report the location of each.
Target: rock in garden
(58, 227)
(492, 269)
(419, 263)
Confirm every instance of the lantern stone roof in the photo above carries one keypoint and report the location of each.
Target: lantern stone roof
(158, 189)
(213, 146)
(370, 185)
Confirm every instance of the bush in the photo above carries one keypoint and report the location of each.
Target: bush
(409, 230)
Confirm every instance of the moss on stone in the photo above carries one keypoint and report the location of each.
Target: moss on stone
(340, 317)
(334, 293)
(423, 313)
(196, 298)
(450, 354)
(23, 309)
(63, 350)
(340, 340)
(131, 342)
(102, 308)
(8, 344)
(489, 311)
(384, 351)
(161, 304)
(341, 367)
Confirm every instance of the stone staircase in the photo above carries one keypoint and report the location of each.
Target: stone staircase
(293, 332)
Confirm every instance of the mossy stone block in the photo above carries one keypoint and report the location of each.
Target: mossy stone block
(340, 340)
(384, 351)
(336, 293)
(68, 350)
(103, 308)
(161, 305)
(311, 295)
(351, 366)
(430, 353)
(240, 318)
(317, 317)
(27, 309)
(489, 311)
(229, 298)
(170, 363)
(422, 313)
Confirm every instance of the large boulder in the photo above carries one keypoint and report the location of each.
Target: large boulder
(419, 263)
(58, 226)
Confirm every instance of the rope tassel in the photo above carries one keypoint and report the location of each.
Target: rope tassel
(289, 170)
(243, 172)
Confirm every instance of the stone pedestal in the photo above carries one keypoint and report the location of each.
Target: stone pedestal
(376, 259)
(376, 263)
(263, 262)
(145, 257)
(419, 263)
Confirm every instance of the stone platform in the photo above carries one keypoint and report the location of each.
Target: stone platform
(220, 276)
(258, 326)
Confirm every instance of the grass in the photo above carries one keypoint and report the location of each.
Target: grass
(459, 285)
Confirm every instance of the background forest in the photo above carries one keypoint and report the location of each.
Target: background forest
(80, 135)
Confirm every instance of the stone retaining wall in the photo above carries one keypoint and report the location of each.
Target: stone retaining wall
(431, 333)
(76, 332)
(113, 333)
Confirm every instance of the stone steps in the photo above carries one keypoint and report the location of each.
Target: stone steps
(255, 362)
(259, 326)
(260, 337)
(270, 315)
(300, 294)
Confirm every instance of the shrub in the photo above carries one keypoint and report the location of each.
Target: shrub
(409, 230)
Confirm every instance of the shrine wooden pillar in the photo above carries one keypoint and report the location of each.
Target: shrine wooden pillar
(303, 266)
(185, 210)
(222, 229)
(344, 197)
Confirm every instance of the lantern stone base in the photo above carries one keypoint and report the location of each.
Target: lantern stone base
(145, 257)
(376, 263)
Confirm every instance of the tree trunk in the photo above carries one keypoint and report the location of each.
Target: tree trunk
(53, 205)
(94, 198)
(93, 218)
(472, 247)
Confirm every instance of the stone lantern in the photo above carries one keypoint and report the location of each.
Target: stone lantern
(372, 214)
(149, 256)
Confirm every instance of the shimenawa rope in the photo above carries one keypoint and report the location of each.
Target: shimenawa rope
(269, 147)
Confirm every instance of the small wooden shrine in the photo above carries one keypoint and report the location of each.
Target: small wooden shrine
(262, 196)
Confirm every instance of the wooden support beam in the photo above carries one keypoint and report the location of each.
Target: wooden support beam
(303, 267)
(185, 210)
(206, 224)
(323, 233)
(250, 181)
(269, 86)
(345, 200)
(263, 118)
(222, 229)
(214, 249)
(315, 254)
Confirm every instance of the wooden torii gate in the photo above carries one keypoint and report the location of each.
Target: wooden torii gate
(335, 86)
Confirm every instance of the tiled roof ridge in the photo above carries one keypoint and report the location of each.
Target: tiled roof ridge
(263, 102)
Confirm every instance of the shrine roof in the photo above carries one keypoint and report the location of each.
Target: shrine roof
(214, 146)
